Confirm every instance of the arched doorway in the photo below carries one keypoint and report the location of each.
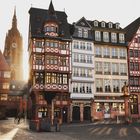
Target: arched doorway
(134, 104)
(76, 113)
(87, 113)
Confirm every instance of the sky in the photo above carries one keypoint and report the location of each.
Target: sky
(122, 11)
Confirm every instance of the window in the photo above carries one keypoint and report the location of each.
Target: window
(137, 40)
(79, 32)
(75, 72)
(3, 97)
(76, 57)
(50, 28)
(53, 60)
(47, 43)
(117, 25)
(107, 68)
(7, 74)
(136, 66)
(82, 46)
(136, 53)
(107, 85)
(136, 81)
(82, 72)
(89, 59)
(89, 73)
(39, 60)
(89, 46)
(99, 85)
(96, 23)
(114, 53)
(131, 53)
(63, 61)
(39, 78)
(76, 45)
(65, 79)
(98, 67)
(75, 88)
(110, 25)
(38, 44)
(98, 107)
(63, 46)
(5, 86)
(59, 78)
(82, 58)
(51, 44)
(115, 84)
(131, 66)
(115, 69)
(123, 69)
(106, 52)
(48, 78)
(97, 36)
(54, 78)
(113, 37)
(122, 53)
(121, 38)
(85, 33)
(105, 36)
(98, 52)
(102, 24)
(88, 88)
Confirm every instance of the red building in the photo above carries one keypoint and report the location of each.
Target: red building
(133, 39)
(49, 59)
(5, 76)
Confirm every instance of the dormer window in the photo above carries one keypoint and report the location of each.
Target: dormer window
(85, 34)
(102, 24)
(96, 23)
(51, 29)
(117, 25)
(110, 25)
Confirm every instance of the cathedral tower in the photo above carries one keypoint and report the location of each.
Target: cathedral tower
(13, 50)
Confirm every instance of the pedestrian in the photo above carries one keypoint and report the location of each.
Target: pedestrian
(56, 124)
(19, 117)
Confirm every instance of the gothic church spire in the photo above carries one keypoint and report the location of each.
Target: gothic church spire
(14, 22)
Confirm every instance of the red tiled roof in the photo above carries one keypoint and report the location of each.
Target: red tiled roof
(3, 64)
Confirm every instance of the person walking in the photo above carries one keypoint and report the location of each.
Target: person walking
(19, 117)
(56, 124)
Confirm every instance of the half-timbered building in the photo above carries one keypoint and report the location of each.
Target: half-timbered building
(49, 59)
(133, 40)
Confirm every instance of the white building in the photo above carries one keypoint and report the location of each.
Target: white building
(82, 88)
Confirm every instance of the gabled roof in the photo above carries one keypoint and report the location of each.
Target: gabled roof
(131, 29)
(3, 64)
(83, 23)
